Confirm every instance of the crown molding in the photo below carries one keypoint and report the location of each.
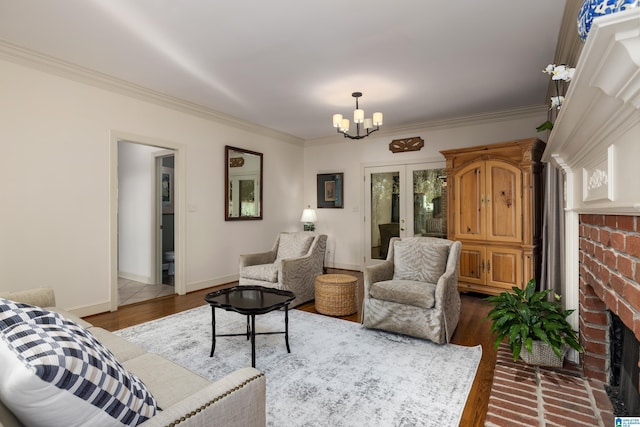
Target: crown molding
(27, 57)
(569, 45)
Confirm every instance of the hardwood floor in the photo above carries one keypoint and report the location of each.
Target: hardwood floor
(472, 330)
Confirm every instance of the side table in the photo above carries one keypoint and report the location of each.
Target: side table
(336, 294)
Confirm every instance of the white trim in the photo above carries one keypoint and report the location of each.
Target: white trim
(89, 310)
(179, 151)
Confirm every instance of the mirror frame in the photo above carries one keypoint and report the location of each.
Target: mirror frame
(227, 150)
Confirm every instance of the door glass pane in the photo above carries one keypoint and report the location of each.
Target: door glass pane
(429, 203)
(385, 211)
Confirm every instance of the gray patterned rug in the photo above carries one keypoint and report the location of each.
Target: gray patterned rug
(337, 374)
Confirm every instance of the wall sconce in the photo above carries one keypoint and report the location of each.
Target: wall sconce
(308, 218)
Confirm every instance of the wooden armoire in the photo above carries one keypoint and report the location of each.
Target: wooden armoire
(494, 197)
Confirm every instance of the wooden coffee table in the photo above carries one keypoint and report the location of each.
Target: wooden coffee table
(250, 301)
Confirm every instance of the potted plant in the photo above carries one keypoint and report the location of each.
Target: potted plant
(533, 322)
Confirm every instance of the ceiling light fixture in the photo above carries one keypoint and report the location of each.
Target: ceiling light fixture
(367, 124)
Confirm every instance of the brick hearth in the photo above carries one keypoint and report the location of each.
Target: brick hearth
(523, 395)
(609, 279)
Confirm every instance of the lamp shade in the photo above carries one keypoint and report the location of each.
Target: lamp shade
(377, 119)
(308, 215)
(337, 120)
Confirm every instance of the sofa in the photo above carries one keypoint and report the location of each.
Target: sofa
(183, 398)
(292, 264)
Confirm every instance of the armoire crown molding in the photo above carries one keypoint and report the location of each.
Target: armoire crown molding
(30, 58)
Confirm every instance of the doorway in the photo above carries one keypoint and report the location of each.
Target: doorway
(403, 201)
(147, 228)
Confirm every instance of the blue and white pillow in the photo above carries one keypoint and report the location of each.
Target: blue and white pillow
(55, 372)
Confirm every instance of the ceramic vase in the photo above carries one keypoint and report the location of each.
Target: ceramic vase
(591, 9)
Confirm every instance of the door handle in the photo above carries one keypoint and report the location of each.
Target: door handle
(488, 266)
(401, 228)
(482, 266)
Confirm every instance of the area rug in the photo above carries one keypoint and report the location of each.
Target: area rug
(337, 374)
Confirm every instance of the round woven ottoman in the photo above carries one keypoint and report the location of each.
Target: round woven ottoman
(336, 294)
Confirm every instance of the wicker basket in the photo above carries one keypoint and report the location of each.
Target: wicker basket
(542, 355)
(336, 294)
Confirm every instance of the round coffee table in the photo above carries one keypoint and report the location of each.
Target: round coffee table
(250, 301)
(336, 294)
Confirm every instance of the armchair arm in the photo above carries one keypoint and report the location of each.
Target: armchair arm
(236, 400)
(447, 295)
(257, 259)
(377, 273)
(298, 274)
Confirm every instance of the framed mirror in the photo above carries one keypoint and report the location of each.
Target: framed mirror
(243, 184)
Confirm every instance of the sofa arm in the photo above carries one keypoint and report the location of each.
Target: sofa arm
(239, 399)
(42, 297)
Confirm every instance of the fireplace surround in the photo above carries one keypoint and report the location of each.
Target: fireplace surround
(596, 143)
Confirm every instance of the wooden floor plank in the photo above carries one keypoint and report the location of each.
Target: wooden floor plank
(472, 330)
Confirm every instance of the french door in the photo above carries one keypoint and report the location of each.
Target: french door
(402, 201)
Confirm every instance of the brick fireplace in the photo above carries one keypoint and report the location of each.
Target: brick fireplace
(609, 279)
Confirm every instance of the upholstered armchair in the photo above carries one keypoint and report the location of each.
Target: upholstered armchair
(415, 290)
(292, 264)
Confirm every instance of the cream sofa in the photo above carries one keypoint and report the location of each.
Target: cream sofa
(186, 399)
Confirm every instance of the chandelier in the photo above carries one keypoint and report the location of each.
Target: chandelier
(367, 124)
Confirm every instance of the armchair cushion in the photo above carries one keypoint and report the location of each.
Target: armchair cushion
(419, 261)
(407, 292)
(263, 272)
(293, 245)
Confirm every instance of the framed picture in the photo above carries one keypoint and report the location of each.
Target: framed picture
(330, 190)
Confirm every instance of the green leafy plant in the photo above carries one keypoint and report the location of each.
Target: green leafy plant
(524, 316)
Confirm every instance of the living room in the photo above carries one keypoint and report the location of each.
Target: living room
(62, 124)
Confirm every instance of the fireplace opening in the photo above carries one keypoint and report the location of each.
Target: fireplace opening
(624, 349)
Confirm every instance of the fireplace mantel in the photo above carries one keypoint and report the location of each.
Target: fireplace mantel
(596, 137)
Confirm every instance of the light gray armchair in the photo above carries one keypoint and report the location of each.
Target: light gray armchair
(292, 264)
(415, 290)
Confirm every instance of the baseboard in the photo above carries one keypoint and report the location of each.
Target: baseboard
(89, 310)
(351, 267)
(191, 287)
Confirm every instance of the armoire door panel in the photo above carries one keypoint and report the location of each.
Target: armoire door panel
(468, 203)
(504, 268)
(472, 264)
(503, 201)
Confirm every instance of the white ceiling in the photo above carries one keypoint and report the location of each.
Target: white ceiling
(290, 64)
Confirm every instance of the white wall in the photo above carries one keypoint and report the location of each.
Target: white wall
(55, 185)
(345, 227)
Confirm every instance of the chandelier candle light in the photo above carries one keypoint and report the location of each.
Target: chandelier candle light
(367, 124)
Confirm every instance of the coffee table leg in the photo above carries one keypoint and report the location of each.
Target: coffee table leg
(253, 340)
(213, 330)
(248, 329)
(286, 327)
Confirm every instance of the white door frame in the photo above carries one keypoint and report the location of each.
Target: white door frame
(179, 151)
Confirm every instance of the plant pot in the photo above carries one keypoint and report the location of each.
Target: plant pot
(542, 355)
